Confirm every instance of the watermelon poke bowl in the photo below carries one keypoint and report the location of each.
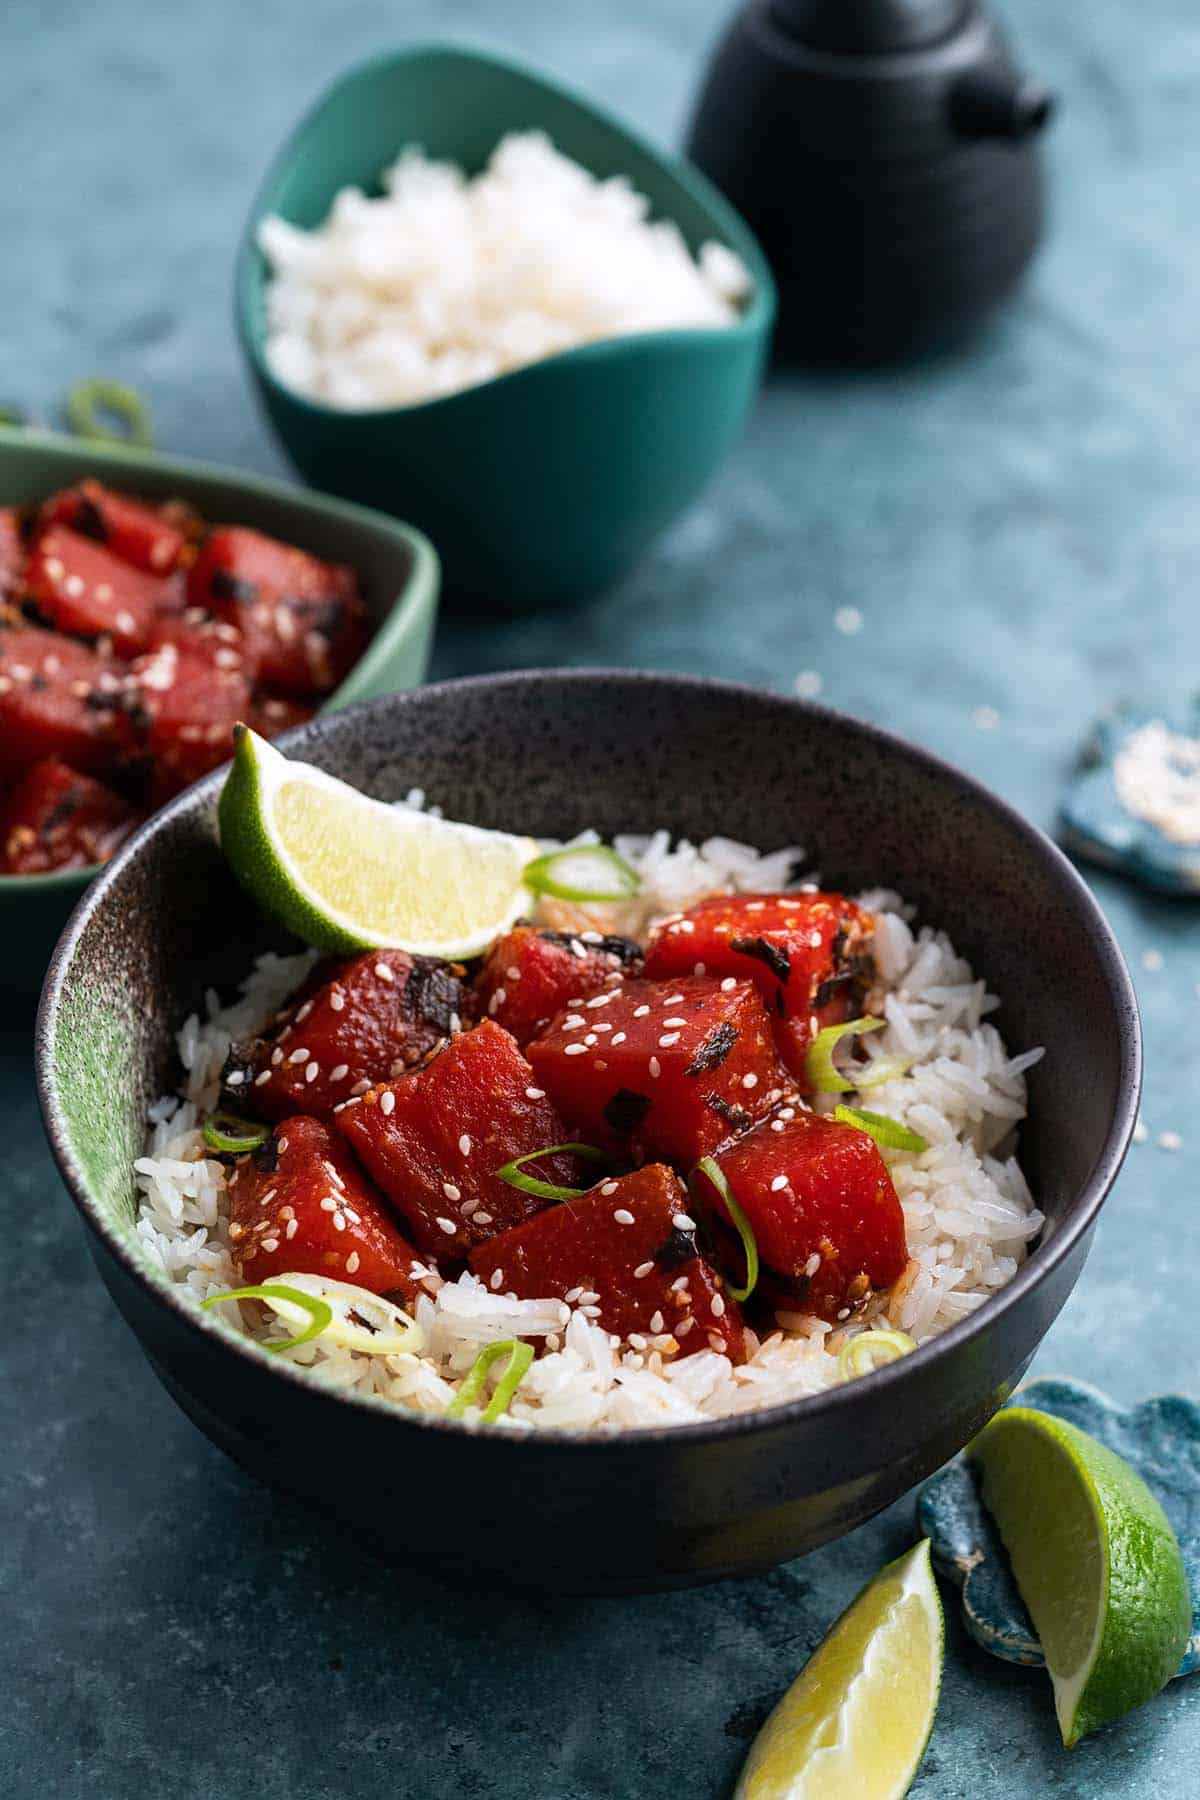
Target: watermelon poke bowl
(145, 606)
(702, 1209)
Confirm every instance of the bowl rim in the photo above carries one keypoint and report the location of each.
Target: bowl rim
(418, 595)
(828, 1405)
(755, 321)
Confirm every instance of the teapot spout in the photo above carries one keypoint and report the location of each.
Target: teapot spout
(997, 103)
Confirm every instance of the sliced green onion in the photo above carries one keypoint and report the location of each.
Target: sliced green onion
(888, 1133)
(823, 1074)
(87, 401)
(359, 1320)
(513, 1172)
(584, 872)
(710, 1168)
(320, 1313)
(872, 1350)
(519, 1354)
(231, 1136)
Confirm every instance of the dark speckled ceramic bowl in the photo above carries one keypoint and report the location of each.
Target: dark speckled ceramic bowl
(550, 753)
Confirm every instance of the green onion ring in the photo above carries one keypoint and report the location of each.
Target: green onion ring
(889, 1134)
(231, 1136)
(321, 1313)
(512, 1172)
(871, 1350)
(87, 400)
(709, 1167)
(823, 1074)
(542, 874)
(519, 1354)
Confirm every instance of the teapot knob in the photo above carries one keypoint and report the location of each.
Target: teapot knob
(996, 103)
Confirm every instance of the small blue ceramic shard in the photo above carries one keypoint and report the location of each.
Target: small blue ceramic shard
(1160, 1439)
(1094, 823)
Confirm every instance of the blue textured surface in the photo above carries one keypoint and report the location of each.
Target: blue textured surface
(1018, 526)
(1095, 821)
(1160, 1439)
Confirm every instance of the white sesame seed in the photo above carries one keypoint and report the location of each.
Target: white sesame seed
(670, 1022)
(572, 1295)
(330, 1203)
(293, 1226)
(623, 1216)
(304, 1012)
(354, 1218)
(532, 1093)
(667, 1039)
(657, 1322)
(387, 1102)
(276, 1058)
(1152, 960)
(718, 1306)
(332, 1173)
(262, 1080)
(383, 972)
(448, 1226)
(339, 1221)
(655, 1068)
(642, 1270)
(848, 620)
(750, 1081)
(779, 1182)
(684, 1326)
(464, 1144)
(352, 1262)
(469, 1207)
(683, 1222)
(609, 1187)
(637, 1341)
(984, 718)
(639, 1012)
(512, 973)
(271, 1243)
(496, 1002)
(590, 1312)
(588, 1296)
(298, 1056)
(673, 1000)
(619, 1038)
(497, 1279)
(483, 1218)
(337, 1000)
(340, 1073)
(808, 684)
(575, 1050)
(236, 1079)
(777, 1125)
(728, 985)
(590, 1039)
(312, 1071)
(451, 1191)
(577, 949)
(1170, 1140)
(360, 1088)
(574, 1022)
(845, 1313)
(678, 1285)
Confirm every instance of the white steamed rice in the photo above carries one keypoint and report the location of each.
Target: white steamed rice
(969, 1216)
(443, 282)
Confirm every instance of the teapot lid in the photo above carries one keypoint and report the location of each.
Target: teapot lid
(868, 27)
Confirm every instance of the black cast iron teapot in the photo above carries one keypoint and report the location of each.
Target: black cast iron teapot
(885, 152)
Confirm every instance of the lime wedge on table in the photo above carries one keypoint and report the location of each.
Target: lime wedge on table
(857, 1720)
(348, 873)
(1096, 1562)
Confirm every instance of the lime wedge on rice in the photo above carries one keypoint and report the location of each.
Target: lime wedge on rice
(1096, 1562)
(348, 873)
(857, 1720)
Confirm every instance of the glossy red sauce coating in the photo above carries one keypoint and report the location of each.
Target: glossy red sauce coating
(833, 1231)
(188, 708)
(663, 1070)
(435, 1138)
(358, 1021)
(808, 955)
(302, 1205)
(134, 530)
(529, 975)
(79, 587)
(302, 617)
(620, 1242)
(59, 698)
(55, 818)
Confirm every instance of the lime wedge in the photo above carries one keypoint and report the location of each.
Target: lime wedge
(857, 1720)
(1096, 1562)
(348, 873)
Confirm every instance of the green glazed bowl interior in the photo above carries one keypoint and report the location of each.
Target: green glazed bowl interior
(545, 483)
(397, 566)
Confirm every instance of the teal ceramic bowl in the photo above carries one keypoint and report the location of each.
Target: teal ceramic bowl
(543, 485)
(397, 566)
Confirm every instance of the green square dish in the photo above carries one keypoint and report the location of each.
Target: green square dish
(543, 485)
(397, 566)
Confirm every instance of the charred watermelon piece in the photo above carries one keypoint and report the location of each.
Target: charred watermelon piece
(631, 1244)
(82, 588)
(820, 1201)
(434, 1140)
(56, 819)
(808, 954)
(662, 1069)
(132, 529)
(189, 709)
(302, 1205)
(12, 552)
(303, 618)
(60, 699)
(360, 1020)
(529, 975)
